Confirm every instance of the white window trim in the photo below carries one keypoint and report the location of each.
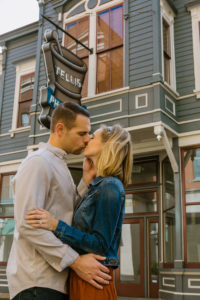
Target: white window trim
(168, 15)
(92, 13)
(195, 15)
(21, 69)
(1, 58)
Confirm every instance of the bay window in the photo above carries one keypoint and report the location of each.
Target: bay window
(101, 29)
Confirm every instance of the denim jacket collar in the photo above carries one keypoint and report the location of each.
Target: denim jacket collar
(97, 180)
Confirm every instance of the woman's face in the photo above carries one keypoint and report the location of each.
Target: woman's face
(95, 145)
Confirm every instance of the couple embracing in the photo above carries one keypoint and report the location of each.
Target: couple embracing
(66, 238)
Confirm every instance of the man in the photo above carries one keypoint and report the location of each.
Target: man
(37, 266)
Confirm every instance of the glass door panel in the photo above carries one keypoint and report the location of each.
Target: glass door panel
(130, 275)
(153, 257)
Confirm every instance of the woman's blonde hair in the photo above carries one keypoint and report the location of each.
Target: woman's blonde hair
(116, 157)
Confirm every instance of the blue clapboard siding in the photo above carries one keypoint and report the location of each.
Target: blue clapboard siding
(183, 49)
(18, 54)
(140, 42)
(20, 48)
(188, 108)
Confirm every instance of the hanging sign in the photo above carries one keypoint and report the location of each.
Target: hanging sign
(65, 73)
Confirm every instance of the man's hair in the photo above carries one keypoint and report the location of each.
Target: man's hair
(116, 158)
(66, 113)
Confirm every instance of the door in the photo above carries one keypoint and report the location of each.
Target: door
(130, 275)
(137, 275)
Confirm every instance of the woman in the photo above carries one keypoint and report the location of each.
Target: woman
(97, 220)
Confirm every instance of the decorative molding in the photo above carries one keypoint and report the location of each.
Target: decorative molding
(178, 293)
(190, 286)
(104, 104)
(137, 100)
(167, 99)
(165, 279)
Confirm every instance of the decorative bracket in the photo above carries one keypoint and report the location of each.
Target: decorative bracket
(160, 132)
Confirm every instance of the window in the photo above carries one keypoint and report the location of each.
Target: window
(196, 165)
(6, 216)
(99, 28)
(144, 172)
(25, 99)
(195, 15)
(109, 49)
(80, 30)
(142, 194)
(166, 51)
(168, 213)
(191, 192)
(168, 61)
(23, 95)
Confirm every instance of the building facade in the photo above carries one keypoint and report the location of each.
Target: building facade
(144, 73)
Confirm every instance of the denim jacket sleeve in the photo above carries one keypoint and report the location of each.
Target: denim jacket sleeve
(109, 204)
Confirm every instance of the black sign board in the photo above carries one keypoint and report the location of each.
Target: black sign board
(65, 76)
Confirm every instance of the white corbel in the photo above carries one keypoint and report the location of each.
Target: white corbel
(160, 132)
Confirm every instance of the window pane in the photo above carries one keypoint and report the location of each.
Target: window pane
(141, 202)
(82, 36)
(130, 254)
(154, 252)
(196, 163)
(6, 189)
(25, 119)
(167, 69)
(169, 235)
(24, 113)
(117, 68)
(103, 30)
(26, 87)
(168, 185)
(6, 237)
(166, 51)
(70, 43)
(193, 240)
(116, 26)
(192, 170)
(103, 73)
(166, 38)
(144, 172)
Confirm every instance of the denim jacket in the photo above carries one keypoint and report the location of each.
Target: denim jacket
(97, 222)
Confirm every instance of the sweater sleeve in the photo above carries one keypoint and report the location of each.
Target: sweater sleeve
(31, 187)
(109, 204)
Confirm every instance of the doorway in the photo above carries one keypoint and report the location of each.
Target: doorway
(137, 275)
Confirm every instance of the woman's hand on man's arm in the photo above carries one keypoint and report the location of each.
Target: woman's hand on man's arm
(41, 218)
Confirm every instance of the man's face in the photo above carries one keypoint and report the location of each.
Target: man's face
(75, 140)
